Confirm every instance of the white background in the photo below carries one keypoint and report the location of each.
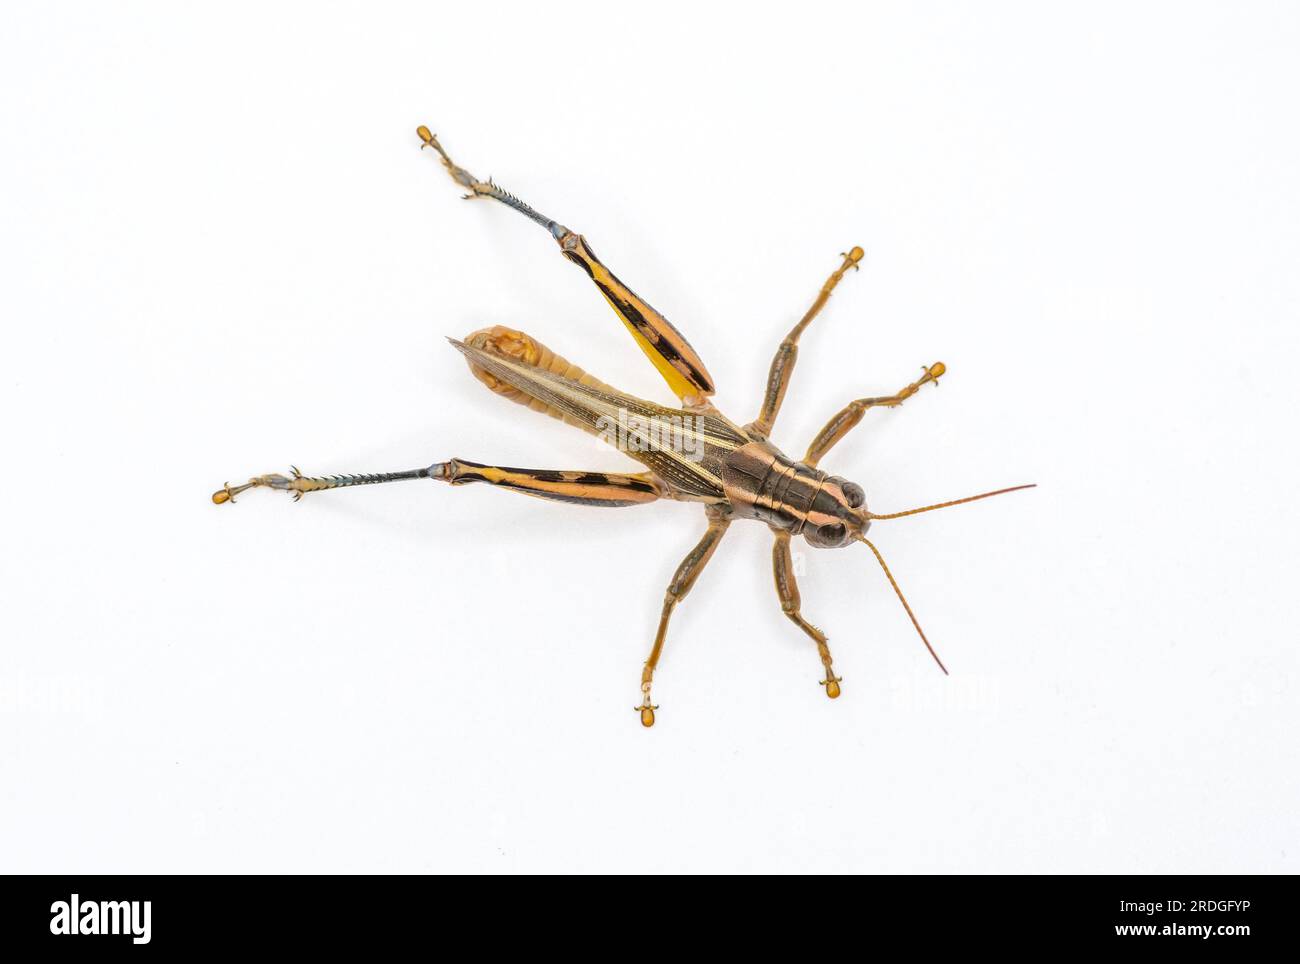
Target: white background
(222, 252)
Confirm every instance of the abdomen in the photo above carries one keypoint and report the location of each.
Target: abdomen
(509, 343)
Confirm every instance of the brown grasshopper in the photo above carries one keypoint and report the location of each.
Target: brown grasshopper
(693, 453)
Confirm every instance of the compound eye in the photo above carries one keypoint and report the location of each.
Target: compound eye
(832, 533)
(853, 495)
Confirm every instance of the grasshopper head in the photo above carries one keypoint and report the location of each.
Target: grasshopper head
(838, 515)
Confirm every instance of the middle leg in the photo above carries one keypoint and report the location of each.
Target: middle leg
(788, 590)
(683, 580)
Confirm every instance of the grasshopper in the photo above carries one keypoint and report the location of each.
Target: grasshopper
(692, 453)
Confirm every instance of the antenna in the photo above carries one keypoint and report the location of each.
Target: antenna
(901, 598)
(944, 505)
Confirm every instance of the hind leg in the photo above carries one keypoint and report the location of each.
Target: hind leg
(579, 488)
(665, 346)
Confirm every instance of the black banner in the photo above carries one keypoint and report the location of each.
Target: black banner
(142, 915)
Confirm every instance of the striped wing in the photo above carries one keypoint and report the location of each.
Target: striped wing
(689, 457)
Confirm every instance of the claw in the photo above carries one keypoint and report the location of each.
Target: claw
(226, 493)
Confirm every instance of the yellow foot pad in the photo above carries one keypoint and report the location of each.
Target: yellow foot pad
(832, 684)
(647, 711)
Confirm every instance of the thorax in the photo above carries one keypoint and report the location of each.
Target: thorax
(760, 482)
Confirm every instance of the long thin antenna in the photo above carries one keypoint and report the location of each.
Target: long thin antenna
(901, 598)
(944, 505)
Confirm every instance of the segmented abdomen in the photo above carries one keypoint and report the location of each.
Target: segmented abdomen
(517, 345)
